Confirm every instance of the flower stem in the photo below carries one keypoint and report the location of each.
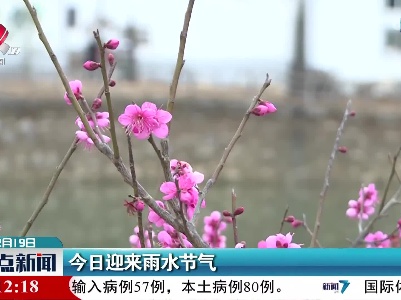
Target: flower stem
(107, 94)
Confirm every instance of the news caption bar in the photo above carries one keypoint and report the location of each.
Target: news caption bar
(40, 268)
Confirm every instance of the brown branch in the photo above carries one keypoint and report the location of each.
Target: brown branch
(229, 148)
(107, 94)
(180, 58)
(308, 230)
(391, 159)
(234, 217)
(150, 235)
(390, 179)
(49, 189)
(327, 175)
(283, 220)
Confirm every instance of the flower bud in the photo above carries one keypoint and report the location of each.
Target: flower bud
(111, 59)
(289, 219)
(112, 44)
(399, 223)
(352, 114)
(239, 211)
(96, 104)
(112, 83)
(226, 213)
(342, 149)
(91, 65)
(228, 219)
(296, 223)
(139, 205)
(264, 108)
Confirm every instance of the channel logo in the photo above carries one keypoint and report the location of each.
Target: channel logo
(4, 47)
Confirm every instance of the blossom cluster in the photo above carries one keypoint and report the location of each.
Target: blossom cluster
(362, 209)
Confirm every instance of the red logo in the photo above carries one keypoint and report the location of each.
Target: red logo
(3, 34)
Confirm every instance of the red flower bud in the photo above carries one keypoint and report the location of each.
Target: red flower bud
(239, 211)
(342, 149)
(226, 213)
(112, 83)
(111, 59)
(289, 219)
(296, 223)
(352, 114)
(96, 104)
(91, 65)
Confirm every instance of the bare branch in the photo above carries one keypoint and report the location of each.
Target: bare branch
(180, 58)
(390, 179)
(49, 189)
(229, 148)
(107, 94)
(305, 225)
(327, 175)
(283, 220)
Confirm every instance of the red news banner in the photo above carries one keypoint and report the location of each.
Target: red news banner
(36, 287)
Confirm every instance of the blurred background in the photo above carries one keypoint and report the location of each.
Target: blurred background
(319, 54)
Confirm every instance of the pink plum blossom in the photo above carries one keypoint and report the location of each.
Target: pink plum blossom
(102, 119)
(212, 231)
(369, 194)
(279, 241)
(191, 207)
(84, 139)
(76, 87)
(145, 120)
(360, 209)
(377, 240)
(170, 238)
(135, 241)
(264, 108)
(186, 185)
(154, 217)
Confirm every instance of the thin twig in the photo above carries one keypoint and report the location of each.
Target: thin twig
(141, 230)
(229, 148)
(132, 167)
(141, 233)
(391, 159)
(107, 94)
(180, 58)
(308, 230)
(233, 216)
(327, 175)
(109, 75)
(150, 235)
(361, 212)
(390, 179)
(283, 220)
(49, 189)
(59, 69)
